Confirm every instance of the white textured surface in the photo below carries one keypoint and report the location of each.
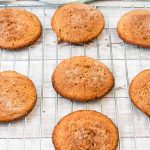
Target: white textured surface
(40, 60)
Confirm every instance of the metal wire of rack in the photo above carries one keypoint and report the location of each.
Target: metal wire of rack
(39, 61)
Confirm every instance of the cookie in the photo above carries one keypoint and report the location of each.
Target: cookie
(134, 28)
(18, 28)
(77, 23)
(85, 130)
(139, 91)
(17, 96)
(82, 78)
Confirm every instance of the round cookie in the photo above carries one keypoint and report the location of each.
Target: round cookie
(134, 28)
(85, 130)
(17, 96)
(82, 78)
(77, 23)
(18, 28)
(139, 91)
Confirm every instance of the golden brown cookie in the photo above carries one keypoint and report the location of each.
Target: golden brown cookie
(139, 91)
(17, 96)
(77, 23)
(85, 130)
(18, 28)
(134, 28)
(82, 78)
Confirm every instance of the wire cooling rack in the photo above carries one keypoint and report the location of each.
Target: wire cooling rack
(38, 62)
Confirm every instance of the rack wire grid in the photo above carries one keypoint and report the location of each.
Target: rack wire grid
(38, 62)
